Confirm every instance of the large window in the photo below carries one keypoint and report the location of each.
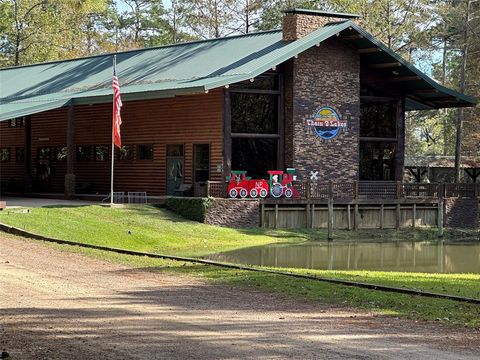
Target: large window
(378, 138)
(377, 119)
(256, 125)
(256, 156)
(254, 113)
(377, 161)
(201, 162)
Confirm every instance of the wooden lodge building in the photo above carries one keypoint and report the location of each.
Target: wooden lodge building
(321, 95)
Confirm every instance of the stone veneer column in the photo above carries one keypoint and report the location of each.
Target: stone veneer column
(328, 75)
(297, 25)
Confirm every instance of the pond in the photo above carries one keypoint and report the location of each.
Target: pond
(428, 257)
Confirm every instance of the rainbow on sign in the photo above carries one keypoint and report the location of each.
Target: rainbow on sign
(326, 123)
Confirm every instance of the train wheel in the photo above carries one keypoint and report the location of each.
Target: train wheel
(288, 193)
(253, 193)
(233, 193)
(263, 193)
(243, 192)
(276, 190)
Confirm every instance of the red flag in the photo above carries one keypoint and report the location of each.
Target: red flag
(117, 105)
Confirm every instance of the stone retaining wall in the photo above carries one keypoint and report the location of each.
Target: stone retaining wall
(234, 213)
(461, 213)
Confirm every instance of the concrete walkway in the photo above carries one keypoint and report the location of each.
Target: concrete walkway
(13, 202)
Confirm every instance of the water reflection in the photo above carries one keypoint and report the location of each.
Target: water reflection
(436, 257)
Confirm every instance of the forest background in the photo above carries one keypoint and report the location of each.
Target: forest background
(441, 37)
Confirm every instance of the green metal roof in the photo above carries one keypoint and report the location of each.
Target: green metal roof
(167, 71)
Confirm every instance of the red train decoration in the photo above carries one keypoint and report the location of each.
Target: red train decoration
(280, 184)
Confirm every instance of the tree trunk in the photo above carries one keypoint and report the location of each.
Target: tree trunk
(458, 142)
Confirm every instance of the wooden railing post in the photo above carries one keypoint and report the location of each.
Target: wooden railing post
(355, 190)
(208, 188)
(399, 190)
(330, 210)
(441, 194)
(308, 189)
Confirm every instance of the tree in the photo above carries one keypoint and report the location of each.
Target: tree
(40, 30)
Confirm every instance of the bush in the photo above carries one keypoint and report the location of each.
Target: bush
(190, 208)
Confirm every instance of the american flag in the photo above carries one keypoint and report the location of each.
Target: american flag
(117, 105)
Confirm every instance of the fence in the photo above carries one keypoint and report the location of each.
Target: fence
(367, 190)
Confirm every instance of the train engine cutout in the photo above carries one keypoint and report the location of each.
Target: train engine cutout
(280, 184)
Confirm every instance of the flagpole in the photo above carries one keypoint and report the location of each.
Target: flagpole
(113, 129)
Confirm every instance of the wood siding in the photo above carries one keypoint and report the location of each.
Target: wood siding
(187, 120)
(12, 171)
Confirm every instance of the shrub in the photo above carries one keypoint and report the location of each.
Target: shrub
(190, 208)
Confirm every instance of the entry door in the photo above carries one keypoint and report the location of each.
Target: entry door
(174, 168)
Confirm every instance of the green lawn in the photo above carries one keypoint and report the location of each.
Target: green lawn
(146, 228)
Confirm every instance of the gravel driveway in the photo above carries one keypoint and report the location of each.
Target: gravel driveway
(59, 305)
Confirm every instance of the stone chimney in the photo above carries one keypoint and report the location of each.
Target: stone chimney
(300, 22)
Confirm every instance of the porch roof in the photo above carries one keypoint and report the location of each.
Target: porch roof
(197, 67)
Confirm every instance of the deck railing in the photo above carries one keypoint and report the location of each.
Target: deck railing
(371, 190)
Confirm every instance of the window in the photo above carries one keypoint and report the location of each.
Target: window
(378, 120)
(43, 153)
(84, 153)
(256, 156)
(101, 153)
(174, 150)
(254, 113)
(60, 153)
(4, 154)
(145, 152)
(377, 161)
(201, 162)
(125, 152)
(17, 122)
(20, 154)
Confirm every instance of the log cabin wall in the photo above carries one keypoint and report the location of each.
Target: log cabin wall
(186, 120)
(12, 169)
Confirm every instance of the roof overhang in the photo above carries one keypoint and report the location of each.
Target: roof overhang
(398, 75)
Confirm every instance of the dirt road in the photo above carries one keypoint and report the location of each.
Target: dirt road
(57, 305)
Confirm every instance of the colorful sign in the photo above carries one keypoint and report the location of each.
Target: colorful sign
(326, 123)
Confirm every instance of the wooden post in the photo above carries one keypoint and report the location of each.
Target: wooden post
(69, 189)
(227, 133)
(355, 190)
(349, 217)
(441, 193)
(308, 189)
(208, 188)
(400, 151)
(330, 219)
(398, 216)
(312, 215)
(382, 216)
(357, 216)
(262, 215)
(307, 215)
(28, 155)
(330, 211)
(276, 216)
(414, 220)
